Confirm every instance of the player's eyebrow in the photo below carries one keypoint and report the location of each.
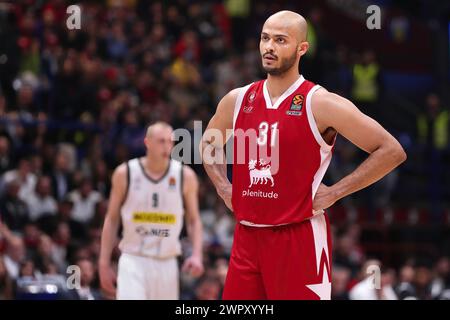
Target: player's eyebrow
(280, 35)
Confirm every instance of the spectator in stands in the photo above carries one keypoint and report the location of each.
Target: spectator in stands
(60, 175)
(433, 125)
(13, 211)
(46, 253)
(23, 175)
(367, 84)
(347, 254)
(341, 278)
(15, 253)
(422, 281)
(84, 199)
(78, 230)
(441, 281)
(27, 269)
(31, 236)
(405, 288)
(61, 242)
(40, 202)
(86, 291)
(101, 180)
(375, 285)
(208, 288)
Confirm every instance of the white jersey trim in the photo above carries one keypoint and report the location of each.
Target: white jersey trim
(285, 94)
(238, 103)
(325, 148)
(251, 224)
(319, 228)
(312, 121)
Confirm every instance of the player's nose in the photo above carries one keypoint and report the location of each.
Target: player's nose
(269, 46)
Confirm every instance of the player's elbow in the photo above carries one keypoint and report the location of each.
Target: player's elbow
(402, 155)
(397, 154)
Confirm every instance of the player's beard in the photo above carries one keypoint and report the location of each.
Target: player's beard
(286, 64)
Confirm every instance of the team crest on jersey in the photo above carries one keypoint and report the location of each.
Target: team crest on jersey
(172, 182)
(252, 96)
(260, 175)
(296, 105)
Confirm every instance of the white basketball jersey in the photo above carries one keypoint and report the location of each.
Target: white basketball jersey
(152, 214)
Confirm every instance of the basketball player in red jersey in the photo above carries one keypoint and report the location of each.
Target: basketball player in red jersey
(282, 247)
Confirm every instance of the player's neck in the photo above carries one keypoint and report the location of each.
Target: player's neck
(277, 85)
(155, 166)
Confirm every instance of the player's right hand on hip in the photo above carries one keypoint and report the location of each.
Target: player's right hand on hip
(107, 279)
(323, 199)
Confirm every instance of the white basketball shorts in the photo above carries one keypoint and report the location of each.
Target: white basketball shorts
(145, 278)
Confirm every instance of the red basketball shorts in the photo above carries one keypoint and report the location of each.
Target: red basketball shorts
(290, 262)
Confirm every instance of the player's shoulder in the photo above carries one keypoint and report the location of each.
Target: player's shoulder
(232, 96)
(188, 172)
(330, 109)
(189, 177)
(121, 171)
(324, 101)
(229, 100)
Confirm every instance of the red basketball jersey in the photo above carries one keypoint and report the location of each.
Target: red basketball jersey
(279, 156)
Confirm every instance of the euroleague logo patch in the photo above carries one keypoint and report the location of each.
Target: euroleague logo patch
(296, 105)
(172, 182)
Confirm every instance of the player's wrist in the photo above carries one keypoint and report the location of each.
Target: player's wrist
(223, 187)
(334, 193)
(197, 255)
(103, 262)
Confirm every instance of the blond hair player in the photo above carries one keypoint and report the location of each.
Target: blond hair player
(148, 195)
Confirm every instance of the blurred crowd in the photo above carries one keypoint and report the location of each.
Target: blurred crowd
(74, 104)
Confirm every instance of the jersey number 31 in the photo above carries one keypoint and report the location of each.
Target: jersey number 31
(263, 129)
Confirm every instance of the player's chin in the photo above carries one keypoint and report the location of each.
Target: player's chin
(272, 70)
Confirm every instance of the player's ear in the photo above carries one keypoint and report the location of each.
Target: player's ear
(303, 47)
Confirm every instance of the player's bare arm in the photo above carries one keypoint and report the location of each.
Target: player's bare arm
(334, 113)
(110, 228)
(223, 121)
(194, 263)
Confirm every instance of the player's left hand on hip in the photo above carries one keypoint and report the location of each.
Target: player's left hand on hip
(194, 266)
(324, 198)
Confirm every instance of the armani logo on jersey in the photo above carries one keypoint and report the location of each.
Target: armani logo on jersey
(248, 109)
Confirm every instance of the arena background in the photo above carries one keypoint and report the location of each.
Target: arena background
(75, 103)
